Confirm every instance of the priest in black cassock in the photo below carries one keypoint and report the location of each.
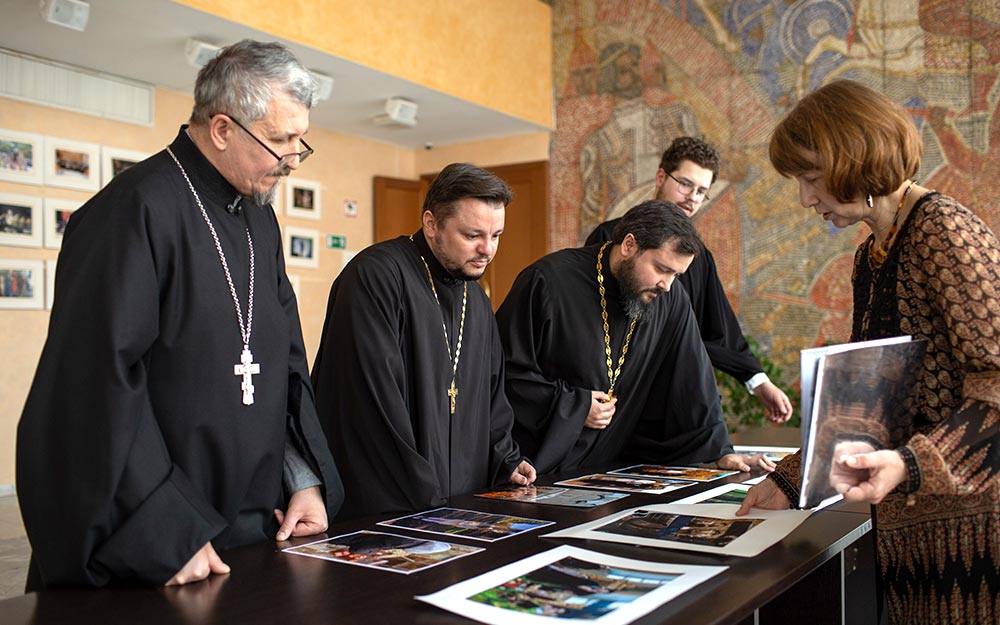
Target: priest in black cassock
(604, 360)
(409, 374)
(171, 414)
(688, 169)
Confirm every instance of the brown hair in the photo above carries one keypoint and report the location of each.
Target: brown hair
(862, 141)
(690, 149)
(464, 180)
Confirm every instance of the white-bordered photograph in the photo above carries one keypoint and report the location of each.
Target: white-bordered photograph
(626, 483)
(50, 283)
(381, 550)
(301, 247)
(115, 160)
(471, 524)
(20, 220)
(57, 212)
(21, 284)
(707, 527)
(568, 584)
(22, 156)
(302, 199)
(72, 164)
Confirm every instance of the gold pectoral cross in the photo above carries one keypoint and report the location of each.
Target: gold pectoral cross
(452, 393)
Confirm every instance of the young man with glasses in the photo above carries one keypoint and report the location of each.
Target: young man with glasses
(172, 414)
(687, 171)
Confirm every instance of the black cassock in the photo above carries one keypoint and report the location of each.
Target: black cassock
(134, 448)
(382, 375)
(668, 404)
(727, 347)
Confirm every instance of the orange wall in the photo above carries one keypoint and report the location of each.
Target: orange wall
(447, 45)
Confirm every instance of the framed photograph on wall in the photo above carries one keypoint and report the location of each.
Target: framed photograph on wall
(301, 247)
(57, 214)
(302, 199)
(114, 161)
(72, 164)
(21, 284)
(20, 220)
(22, 156)
(50, 283)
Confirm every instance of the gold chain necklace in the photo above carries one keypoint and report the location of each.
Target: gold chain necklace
(452, 390)
(612, 375)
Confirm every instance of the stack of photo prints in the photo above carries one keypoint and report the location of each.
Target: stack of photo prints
(569, 583)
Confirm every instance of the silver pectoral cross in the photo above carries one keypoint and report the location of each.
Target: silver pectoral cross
(246, 368)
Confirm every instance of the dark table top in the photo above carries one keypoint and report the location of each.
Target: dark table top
(268, 586)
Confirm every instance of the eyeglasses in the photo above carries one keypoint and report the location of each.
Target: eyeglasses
(687, 187)
(283, 161)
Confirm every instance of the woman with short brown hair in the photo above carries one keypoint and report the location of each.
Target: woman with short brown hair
(930, 269)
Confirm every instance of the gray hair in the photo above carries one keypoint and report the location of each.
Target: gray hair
(244, 78)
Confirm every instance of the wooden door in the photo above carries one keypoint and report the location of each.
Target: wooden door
(397, 206)
(525, 237)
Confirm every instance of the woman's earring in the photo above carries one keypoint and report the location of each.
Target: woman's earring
(869, 202)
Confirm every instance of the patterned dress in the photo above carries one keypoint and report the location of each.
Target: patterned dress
(938, 533)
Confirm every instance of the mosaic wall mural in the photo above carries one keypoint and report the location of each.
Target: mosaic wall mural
(630, 75)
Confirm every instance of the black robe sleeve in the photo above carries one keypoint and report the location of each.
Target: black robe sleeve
(549, 413)
(720, 330)
(682, 420)
(303, 423)
(89, 445)
(360, 377)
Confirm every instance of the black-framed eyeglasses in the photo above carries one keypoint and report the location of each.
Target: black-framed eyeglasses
(283, 161)
(687, 187)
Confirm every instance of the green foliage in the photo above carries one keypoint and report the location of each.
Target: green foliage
(740, 408)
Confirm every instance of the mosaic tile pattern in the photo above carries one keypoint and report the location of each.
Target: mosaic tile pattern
(632, 74)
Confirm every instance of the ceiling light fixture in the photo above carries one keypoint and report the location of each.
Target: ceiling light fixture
(325, 86)
(398, 112)
(199, 53)
(69, 13)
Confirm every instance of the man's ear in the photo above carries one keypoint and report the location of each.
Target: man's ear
(629, 246)
(429, 223)
(219, 129)
(661, 178)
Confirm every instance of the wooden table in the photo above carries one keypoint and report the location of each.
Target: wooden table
(820, 573)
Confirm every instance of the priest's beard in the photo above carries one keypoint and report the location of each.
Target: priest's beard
(265, 197)
(632, 299)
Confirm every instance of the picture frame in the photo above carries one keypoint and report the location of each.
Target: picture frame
(20, 220)
(303, 199)
(50, 282)
(22, 285)
(301, 247)
(57, 212)
(72, 164)
(116, 160)
(22, 157)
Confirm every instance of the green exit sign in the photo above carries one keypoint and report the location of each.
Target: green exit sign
(336, 241)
